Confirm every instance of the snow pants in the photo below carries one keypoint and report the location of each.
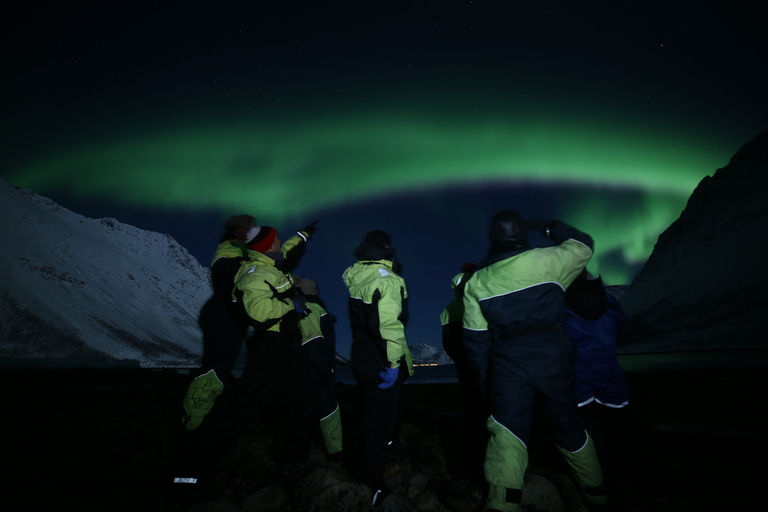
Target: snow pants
(320, 358)
(223, 336)
(514, 369)
(476, 407)
(224, 332)
(379, 409)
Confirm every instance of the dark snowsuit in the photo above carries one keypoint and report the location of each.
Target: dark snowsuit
(476, 407)
(275, 377)
(224, 330)
(378, 314)
(513, 309)
(594, 319)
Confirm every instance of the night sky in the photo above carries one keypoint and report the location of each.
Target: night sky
(418, 118)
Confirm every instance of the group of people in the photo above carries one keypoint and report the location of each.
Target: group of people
(514, 329)
(291, 355)
(258, 301)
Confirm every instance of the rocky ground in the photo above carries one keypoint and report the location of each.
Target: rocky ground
(102, 440)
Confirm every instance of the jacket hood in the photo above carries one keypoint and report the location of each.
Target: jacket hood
(361, 271)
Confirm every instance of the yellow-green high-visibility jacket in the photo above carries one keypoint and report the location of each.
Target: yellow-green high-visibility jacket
(526, 287)
(377, 296)
(263, 289)
(229, 249)
(454, 311)
(224, 265)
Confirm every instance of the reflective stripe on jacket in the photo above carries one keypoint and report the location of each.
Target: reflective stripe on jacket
(264, 290)
(527, 288)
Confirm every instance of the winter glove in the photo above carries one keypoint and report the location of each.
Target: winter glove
(389, 376)
(311, 229)
(299, 304)
(542, 225)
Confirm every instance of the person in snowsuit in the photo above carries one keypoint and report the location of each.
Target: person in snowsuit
(275, 372)
(594, 319)
(514, 337)
(476, 408)
(380, 357)
(224, 328)
(319, 349)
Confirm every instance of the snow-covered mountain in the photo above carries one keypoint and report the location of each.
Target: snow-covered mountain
(705, 286)
(98, 290)
(94, 289)
(429, 354)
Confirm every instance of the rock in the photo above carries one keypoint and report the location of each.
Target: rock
(267, 498)
(702, 287)
(461, 495)
(541, 494)
(394, 503)
(325, 489)
(426, 502)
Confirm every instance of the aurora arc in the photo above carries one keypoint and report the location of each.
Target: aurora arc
(331, 161)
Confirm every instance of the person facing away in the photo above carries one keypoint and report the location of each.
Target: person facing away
(476, 409)
(275, 372)
(515, 341)
(318, 348)
(380, 357)
(224, 328)
(594, 319)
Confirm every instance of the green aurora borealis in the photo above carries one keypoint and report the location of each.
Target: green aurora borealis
(334, 160)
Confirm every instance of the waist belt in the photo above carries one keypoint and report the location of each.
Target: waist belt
(526, 330)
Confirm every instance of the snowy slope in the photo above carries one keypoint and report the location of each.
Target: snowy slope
(94, 288)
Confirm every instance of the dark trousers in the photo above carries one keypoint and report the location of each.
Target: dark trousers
(378, 412)
(319, 355)
(476, 407)
(224, 332)
(275, 380)
(515, 368)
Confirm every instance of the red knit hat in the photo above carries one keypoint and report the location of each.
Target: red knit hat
(263, 239)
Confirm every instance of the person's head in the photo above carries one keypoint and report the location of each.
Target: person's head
(379, 239)
(240, 228)
(307, 286)
(265, 240)
(508, 230)
(377, 245)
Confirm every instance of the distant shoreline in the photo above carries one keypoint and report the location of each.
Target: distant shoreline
(631, 363)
